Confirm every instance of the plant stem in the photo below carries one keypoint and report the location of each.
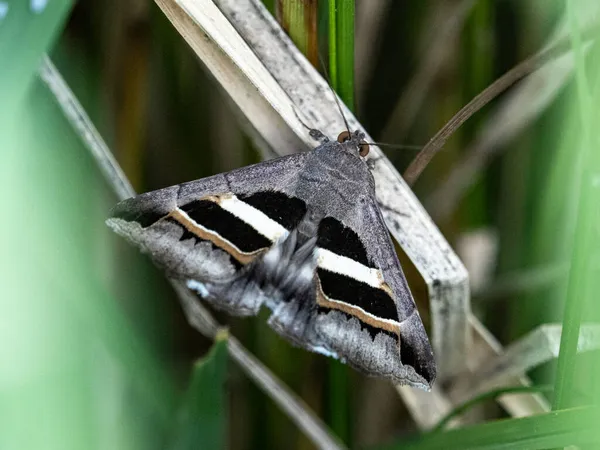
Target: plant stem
(585, 231)
(462, 408)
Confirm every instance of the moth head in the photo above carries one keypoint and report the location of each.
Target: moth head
(356, 138)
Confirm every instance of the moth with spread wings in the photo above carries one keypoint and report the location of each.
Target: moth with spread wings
(304, 236)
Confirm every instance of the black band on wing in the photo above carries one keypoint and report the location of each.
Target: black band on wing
(348, 290)
(341, 240)
(286, 211)
(186, 233)
(189, 235)
(408, 356)
(211, 216)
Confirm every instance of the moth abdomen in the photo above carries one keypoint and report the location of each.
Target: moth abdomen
(289, 266)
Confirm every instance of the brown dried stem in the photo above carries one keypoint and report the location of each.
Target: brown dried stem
(520, 71)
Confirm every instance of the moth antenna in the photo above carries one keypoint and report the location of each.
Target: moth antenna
(335, 97)
(397, 146)
(301, 121)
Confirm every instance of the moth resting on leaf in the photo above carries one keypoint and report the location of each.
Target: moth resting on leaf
(304, 236)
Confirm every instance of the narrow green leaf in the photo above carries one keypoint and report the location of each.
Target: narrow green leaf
(341, 73)
(333, 73)
(575, 426)
(586, 234)
(201, 421)
(74, 359)
(270, 5)
(464, 407)
(339, 408)
(25, 35)
(299, 19)
(345, 51)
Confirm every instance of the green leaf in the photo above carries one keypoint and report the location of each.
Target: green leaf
(78, 367)
(25, 35)
(341, 72)
(585, 243)
(575, 426)
(462, 408)
(341, 49)
(202, 417)
(299, 19)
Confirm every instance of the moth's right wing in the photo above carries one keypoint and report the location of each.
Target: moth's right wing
(367, 315)
(209, 232)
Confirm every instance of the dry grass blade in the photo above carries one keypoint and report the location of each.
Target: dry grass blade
(198, 316)
(405, 217)
(302, 85)
(522, 281)
(521, 107)
(236, 68)
(83, 126)
(428, 407)
(537, 347)
(520, 71)
(486, 347)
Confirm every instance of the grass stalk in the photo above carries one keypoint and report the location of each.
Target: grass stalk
(299, 19)
(333, 74)
(501, 84)
(341, 73)
(491, 395)
(589, 164)
(575, 426)
(345, 51)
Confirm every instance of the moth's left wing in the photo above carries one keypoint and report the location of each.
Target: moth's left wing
(366, 313)
(209, 232)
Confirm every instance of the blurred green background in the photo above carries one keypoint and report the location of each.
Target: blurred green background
(95, 351)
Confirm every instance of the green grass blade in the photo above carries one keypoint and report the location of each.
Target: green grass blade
(333, 73)
(341, 73)
(339, 406)
(578, 291)
(341, 49)
(575, 426)
(203, 415)
(25, 36)
(78, 368)
(345, 51)
(464, 407)
(299, 19)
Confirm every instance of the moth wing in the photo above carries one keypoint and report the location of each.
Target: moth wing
(208, 232)
(373, 325)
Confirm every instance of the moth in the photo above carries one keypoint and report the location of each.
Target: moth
(302, 235)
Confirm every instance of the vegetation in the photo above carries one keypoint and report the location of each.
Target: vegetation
(96, 351)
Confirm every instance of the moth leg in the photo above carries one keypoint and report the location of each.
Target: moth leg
(318, 135)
